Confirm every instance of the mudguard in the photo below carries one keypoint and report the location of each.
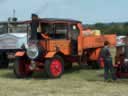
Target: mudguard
(50, 54)
(20, 53)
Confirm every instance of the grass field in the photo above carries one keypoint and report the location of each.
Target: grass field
(74, 82)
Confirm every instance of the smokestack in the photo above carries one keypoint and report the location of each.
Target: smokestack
(34, 26)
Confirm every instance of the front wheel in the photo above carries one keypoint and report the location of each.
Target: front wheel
(54, 67)
(21, 67)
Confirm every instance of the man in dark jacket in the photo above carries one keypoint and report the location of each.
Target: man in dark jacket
(108, 66)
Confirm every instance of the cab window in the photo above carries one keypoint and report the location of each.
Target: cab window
(74, 32)
(61, 30)
(46, 28)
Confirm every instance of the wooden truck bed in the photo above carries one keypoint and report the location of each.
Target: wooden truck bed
(98, 41)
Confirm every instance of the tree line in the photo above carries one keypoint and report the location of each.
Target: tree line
(110, 28)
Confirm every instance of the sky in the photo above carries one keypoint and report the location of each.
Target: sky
(87, 11)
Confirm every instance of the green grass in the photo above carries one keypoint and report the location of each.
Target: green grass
(75, 82)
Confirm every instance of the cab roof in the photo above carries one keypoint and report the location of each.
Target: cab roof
(60, 20)
(45, 20)
(57, 20)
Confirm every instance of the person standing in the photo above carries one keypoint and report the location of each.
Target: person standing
(107, 58)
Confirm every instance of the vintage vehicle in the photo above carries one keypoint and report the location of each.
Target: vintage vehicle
(60, 42)
(121, 64)
(11, 41)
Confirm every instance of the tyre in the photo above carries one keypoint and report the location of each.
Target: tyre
(4, 61)
(21, 68)
(54, 67)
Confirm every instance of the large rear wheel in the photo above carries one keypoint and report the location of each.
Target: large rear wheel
(21, 67)
(54, 67)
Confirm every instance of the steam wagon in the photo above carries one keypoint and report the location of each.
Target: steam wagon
(59, 43)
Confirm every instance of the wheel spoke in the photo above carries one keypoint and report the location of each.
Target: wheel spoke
(56, 67)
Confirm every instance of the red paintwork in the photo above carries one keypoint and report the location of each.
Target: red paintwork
(56, 67)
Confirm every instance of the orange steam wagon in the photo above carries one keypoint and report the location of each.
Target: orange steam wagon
(59, 43)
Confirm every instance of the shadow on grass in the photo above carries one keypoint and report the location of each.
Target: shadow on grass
(100, 78)
(8, 73)
(82, 74)
(74, 69)
(86, 74)
(38, 76)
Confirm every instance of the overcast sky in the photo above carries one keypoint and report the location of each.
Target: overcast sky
(88, 11)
